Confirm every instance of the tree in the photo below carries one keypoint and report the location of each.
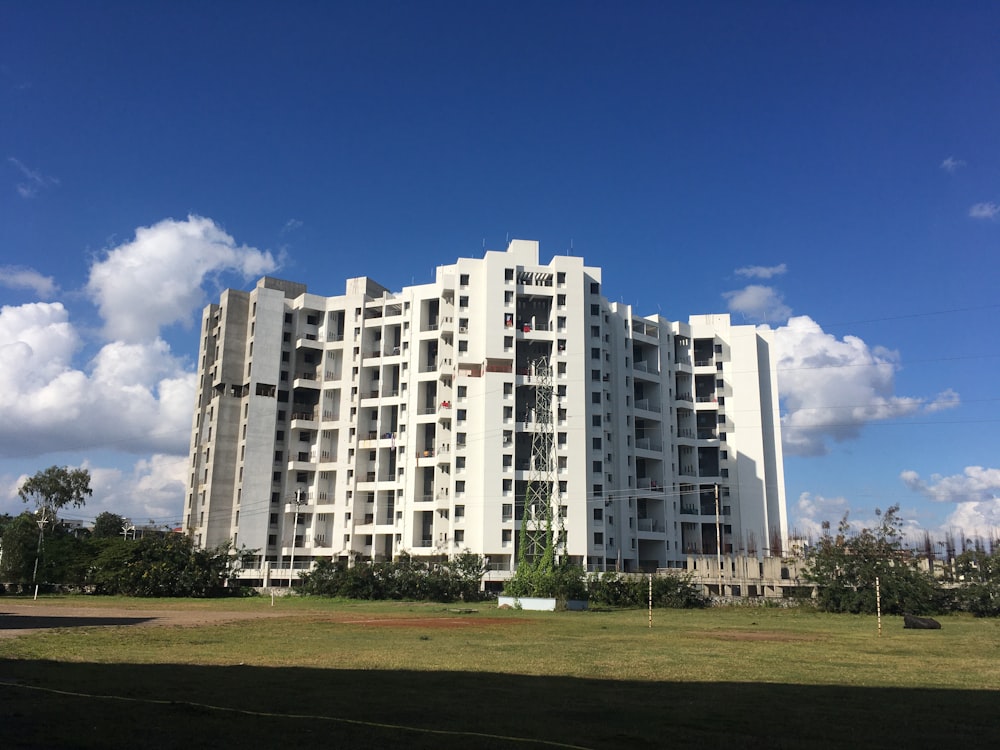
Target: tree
(845, 567)
(168, 565)
(50, 490)
(18, 538)
(108, 525)
(979, 576)
(55, 488)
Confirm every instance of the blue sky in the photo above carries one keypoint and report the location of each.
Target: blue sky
(831, 171)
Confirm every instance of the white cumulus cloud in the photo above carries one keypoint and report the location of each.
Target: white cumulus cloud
(17, 277)
(762, 272)
(759, 304)
(152, 489)
(830, 388)
(976, 518)
(811, 511)
(975, 484)
(134, 397)
(156, 279)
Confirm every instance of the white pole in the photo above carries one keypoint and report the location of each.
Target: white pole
(878, 605)
(650, 600)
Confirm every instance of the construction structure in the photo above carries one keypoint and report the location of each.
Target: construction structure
(506, 396)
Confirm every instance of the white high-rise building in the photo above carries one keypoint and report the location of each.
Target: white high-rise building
(374, 423)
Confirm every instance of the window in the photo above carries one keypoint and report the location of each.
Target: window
(595, 288)
(463, 302)
(595, 332)
(561, 300)
(460, 463)
(595, 353)
(459, 536)
(595, 310)
(508, 343)
(561, 323)
(460, 487)
(718, 348)
(561, 277)
(508, 274)
(508, 298)
(598, 538)
(508, 461)
(508, 486)
(463, 279)
(595, 443)
(459, 512)
(597, 467)
(595, 397)
(595, 420)
(595, 375)
(505, 536)
(598, 514)
(463, 391)
(507, 512)
(463, 346)
(508, 389)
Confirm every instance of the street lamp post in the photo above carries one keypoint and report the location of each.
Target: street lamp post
(42, 520)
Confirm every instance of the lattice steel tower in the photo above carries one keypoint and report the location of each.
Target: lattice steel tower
(541, 532)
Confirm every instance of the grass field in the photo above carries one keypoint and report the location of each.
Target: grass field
(357, 675)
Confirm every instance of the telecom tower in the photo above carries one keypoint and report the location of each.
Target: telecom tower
(541, 526)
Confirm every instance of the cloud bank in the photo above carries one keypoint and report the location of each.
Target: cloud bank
(134, 395)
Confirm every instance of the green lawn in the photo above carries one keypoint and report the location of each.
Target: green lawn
(349, 674)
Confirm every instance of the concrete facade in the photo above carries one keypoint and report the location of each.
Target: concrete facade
(375, 423)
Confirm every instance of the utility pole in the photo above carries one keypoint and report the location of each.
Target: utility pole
(42, 520)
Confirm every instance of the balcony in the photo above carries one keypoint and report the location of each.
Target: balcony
(649, 524)
(649, 444)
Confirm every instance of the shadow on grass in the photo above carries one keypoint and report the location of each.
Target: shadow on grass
(12, 621)
(298, 707)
